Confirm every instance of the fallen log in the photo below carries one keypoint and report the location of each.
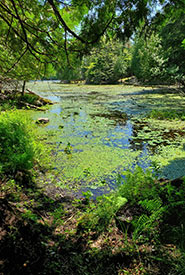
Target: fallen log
(43, 100)
(30, 92)
(31, 106)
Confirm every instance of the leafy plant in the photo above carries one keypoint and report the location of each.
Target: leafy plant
(138, 185)
(17, 146)
(98, 217)
(57, 216)
(30, 98)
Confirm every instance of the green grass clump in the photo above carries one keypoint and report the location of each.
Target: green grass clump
(166, 114)
(17, 145)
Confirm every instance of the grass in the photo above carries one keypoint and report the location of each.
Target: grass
(14, 99)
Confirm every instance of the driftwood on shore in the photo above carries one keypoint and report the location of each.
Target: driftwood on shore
(31, 106)
(15, 95)
(41, 99)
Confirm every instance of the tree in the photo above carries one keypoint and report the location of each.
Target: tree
(107, 63)
(158, 53)
(172, 38)
(148, 60)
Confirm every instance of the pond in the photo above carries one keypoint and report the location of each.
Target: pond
(98, 132)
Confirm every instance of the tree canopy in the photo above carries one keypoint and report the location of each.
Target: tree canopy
(38, 33)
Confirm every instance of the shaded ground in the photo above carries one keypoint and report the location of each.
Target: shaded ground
(39, 235)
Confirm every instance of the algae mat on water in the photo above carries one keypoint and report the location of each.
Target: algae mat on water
(96, 132)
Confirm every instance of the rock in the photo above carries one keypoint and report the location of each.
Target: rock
(42, 120)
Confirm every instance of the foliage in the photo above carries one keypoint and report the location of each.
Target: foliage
(167, 114)
(137, 186)
(183, 43)
(36, 34)
(172, 35)
(69, 73)
(107, 63)
(23, 45)
(158, 53)
(142, 189)
(148, 60)
(30, 98)
(157, 203)
(17, 145)
(98, 217)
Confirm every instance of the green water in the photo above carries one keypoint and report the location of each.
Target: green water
(98, 132)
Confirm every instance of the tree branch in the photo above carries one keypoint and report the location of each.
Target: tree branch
(66, 28)
(65, 47)
(17, 61)
(22, 38)
(9, 31)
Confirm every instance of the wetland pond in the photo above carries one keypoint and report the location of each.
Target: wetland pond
(98, 132)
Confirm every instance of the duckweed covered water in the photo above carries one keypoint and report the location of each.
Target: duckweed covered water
(98, 132)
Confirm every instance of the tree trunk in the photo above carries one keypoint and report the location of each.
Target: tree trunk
(23, 87)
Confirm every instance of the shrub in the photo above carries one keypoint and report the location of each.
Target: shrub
(30, 98)
(138, 185)
(17, 146)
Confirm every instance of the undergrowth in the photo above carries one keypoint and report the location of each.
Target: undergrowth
(146, 217)
(147, 211)
(19, 146)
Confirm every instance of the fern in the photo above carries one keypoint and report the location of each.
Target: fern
(151, 205)
(139, 225)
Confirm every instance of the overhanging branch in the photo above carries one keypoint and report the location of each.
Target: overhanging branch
(66, 28)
